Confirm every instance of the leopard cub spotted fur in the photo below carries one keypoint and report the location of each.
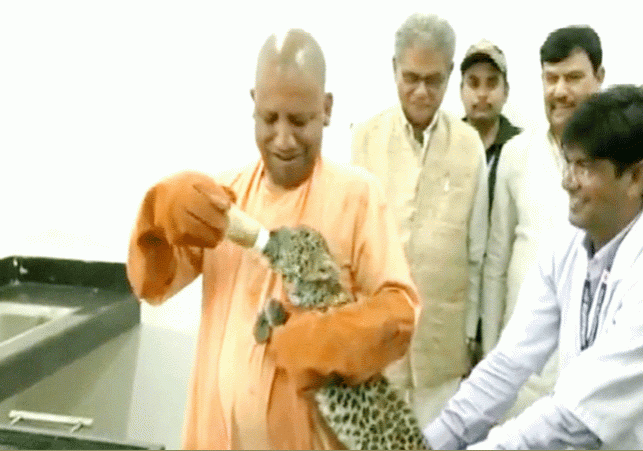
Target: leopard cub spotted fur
(302, 257)
(371, 415)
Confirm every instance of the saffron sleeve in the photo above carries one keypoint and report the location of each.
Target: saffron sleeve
(358, 340)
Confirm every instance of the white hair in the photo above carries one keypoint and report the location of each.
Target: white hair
(427, 30)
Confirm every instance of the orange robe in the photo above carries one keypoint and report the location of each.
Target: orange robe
(245, 395)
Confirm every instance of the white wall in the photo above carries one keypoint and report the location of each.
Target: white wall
(99, 99)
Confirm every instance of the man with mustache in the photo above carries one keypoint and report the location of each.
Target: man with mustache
(529, 203)
(433, 169)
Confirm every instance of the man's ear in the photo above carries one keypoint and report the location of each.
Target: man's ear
(328, 107)
(600, 74)
(252, 93)
(394, 65)
(637, 179)
(506, 86)
(449, 74)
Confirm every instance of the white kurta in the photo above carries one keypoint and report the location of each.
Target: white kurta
(529, 202)
(529, 206)
(599, 389)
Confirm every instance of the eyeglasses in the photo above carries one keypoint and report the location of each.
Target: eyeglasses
(577, 170)
(432, 82)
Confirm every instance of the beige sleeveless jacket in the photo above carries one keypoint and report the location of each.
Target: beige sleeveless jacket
(440, 204)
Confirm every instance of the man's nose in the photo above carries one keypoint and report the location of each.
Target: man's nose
(482, 93)
(569, 182)
(421, 88)
(284, 136)
(561, 88)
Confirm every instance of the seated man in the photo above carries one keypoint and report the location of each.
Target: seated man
(585, 296)
(249, 395)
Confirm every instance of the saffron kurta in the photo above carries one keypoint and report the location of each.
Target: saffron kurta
(245, 395)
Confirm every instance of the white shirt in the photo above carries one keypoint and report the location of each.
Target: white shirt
(598, 398)
(529, 203)
(420, 149)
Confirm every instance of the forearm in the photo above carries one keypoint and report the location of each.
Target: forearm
(479, 403)
(356, 341)
(150, 266)
(528, 340)
(544, 425)
(157, 269)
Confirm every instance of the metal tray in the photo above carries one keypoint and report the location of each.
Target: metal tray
(20, 437)
(57, 310)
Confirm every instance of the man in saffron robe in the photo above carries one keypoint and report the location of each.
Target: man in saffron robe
(243, 394)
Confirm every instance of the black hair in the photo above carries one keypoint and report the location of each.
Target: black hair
(562, 42)
(609, 125)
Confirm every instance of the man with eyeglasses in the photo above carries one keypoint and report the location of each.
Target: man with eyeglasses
(433, 169)
(584, 296)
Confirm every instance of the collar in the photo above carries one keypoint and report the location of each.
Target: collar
(506, 131)
(278, 191)
(608, 252)
(408, 128)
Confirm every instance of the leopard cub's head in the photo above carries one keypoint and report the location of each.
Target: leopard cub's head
(302, 256)
(301, 252)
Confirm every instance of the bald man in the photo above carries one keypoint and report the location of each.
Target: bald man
(246, 395)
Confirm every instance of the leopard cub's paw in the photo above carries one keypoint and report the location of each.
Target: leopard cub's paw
(276, 314)
(262, 328)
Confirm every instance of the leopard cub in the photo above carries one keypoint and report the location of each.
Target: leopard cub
(371, 415)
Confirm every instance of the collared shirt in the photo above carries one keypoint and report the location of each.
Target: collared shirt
(602, 260)
(598, 398)
(420, 148)
(599, 265)
(506, 131)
